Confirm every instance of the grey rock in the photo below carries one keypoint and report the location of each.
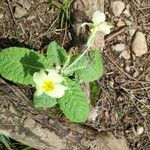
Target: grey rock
(139, 44)
(117, 7)
(119, 47)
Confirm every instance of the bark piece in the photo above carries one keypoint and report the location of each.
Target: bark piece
(22, 122)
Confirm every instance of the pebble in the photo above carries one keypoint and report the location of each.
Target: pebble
(1, 16)
(119, 47)
(126, 12)
(132, 31)
(147, 77)
(20, 12)
(25, 3)
(139, 130)
(138, 2)
(31, 18)
(117, 7)
(93, 114)
(125, 54)
(128, 22)
(127, 68)
(139, 45)
(22, 8)
(136, 73)
(120, 23)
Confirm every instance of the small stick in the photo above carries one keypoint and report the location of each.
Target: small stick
(115, 33)
(48, 29)
(136, 98)
(138, 7)
(11, 12)
(137, 89)
(121, 69)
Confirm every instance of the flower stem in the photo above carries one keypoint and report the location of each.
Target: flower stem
(67, 69)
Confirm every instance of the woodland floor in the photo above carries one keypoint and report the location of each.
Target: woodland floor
(123, 99)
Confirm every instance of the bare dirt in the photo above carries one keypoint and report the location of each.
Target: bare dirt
(124, 99)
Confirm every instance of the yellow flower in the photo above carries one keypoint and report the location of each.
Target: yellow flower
(99, 24)
(49, 83)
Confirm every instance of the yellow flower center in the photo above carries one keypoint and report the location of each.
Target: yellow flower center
(48, 86)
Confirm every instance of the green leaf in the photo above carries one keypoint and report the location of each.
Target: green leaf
(95, 68)
(44, 101)
(67, 4)
(77, 65)
(19, 64)
(56, 54)
(74, 103)
(58, 5)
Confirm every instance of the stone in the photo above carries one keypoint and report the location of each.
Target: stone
(132, 31)
(1, 16)
(127, 68)
(147, 77)
(22, 8)
(117, 7)
(20, 12)
(128, 22)
(140, 130)
(125, 54)
(136, 73)
(139, 44)
(119, 47)
(126, 12)
(31, 18)
(120, 23)
(24, 3)
(93, 114)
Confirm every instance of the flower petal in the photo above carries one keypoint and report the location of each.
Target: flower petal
(58, 92)
(54, 76)
(39, 77)
(98, 17)
(38, 91)
(104, 27)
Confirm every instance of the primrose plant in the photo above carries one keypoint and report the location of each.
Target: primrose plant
(56, 76)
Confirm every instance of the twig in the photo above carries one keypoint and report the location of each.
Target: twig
(136, 98)
(145, 8)
(115, 33)
(131, 99)
(124, 71)
(138, 7)
(144, 88)
(11, 12)
(46, 32)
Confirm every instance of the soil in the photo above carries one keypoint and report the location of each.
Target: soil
(123, 103)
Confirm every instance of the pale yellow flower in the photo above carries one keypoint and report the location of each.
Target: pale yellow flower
(98, 24)
(49, 83)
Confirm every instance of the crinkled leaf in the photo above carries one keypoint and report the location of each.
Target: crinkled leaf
(56, 54)
(81, 64)
(44, 101)
(95, 68)
(74, 103)
(19, 64)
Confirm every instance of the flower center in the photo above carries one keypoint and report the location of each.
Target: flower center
(48, 86)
